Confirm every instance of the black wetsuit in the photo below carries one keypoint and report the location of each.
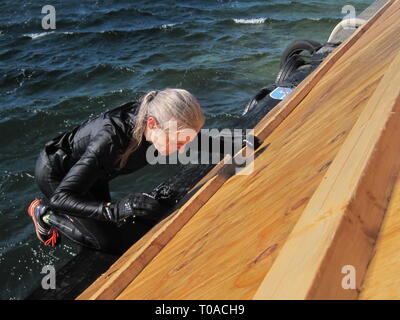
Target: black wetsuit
(74, 169)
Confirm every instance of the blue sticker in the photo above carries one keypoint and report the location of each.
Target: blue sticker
(280, 93)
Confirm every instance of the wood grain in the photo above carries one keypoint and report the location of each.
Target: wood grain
(382, 279)
(226, 249)
(341, 222)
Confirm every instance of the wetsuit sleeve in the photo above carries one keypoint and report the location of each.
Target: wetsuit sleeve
(220, 143)
(71, 194)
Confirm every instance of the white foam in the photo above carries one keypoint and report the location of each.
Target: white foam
(37, 35)
(250, 21)
(168, 25)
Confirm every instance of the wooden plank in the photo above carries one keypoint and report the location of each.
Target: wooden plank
(285, 107)
(382, 279)
(226, 249)
(340, 223)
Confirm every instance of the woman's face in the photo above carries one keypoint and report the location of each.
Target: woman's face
(169, 139)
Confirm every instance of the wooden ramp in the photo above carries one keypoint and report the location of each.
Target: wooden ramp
(382, 280)
(311, 203)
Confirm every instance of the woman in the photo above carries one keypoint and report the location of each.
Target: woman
(73, 170)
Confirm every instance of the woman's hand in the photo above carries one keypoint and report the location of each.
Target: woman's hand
(136, 205)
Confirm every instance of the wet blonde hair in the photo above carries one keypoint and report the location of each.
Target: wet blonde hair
(163, 106)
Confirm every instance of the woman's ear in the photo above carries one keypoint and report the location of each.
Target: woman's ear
(151, 123)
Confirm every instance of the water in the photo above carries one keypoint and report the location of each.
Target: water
(104, 53)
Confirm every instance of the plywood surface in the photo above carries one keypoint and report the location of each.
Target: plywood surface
(340, 224)
(227, 248)
(382, 280)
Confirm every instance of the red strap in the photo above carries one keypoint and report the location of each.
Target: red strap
(53, 239)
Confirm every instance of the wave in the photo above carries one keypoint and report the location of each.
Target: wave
(83, 80)
(182, 28)
(250, 21)
(263, 20)
(107, 32)
(125, 11)
(34, 36)
(168, 25)
(76, 19)
(32, 27)
(10, 53)
(18, 76)
(218, 10)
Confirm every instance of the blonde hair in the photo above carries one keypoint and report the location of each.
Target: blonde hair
(164, 105)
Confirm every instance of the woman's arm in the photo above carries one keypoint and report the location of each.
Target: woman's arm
(227, 141)
(176, 187)
(69, 196)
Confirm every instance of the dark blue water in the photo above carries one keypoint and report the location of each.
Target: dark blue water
(103, 53)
